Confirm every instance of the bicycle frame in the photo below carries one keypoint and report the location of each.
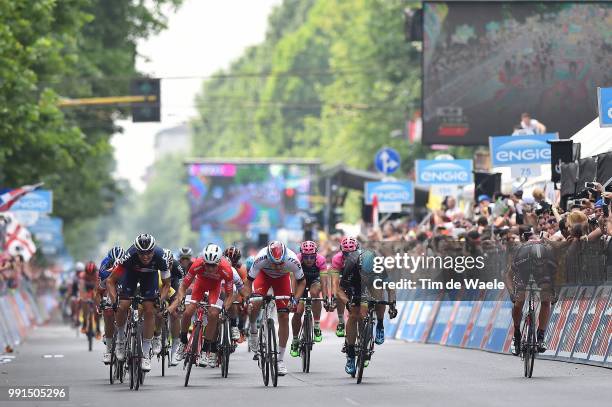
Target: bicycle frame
(529, 346)
(364, 345)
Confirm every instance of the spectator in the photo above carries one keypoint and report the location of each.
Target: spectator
(531, 126)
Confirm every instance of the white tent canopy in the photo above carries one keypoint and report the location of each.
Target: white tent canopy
(593, 139)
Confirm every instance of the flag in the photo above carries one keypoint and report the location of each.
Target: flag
(18, 239)
(9, 198)
(415, 128)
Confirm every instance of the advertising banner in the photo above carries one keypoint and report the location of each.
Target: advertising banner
(520, 150)
(401, 192)
(574, 321)
(444, 172)
(591, 322)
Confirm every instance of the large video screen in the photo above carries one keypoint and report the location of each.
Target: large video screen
(239, 196)
(486, 63)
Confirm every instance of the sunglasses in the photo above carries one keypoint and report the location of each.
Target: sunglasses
(309, 256)
(147, 253)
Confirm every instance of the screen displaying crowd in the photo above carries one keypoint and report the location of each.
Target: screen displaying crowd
(484, 64)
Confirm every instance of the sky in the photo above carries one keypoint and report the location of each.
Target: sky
(202, 37)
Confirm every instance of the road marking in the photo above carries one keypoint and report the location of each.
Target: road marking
(353, 402)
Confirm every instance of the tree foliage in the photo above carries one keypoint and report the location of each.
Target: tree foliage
(332, 80)
(69, 48)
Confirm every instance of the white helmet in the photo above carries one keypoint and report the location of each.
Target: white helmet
(212, 254)
(79, 266)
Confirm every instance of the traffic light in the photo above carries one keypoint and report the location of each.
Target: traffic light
(148, 110)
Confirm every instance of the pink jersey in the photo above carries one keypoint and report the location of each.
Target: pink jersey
(337, 262)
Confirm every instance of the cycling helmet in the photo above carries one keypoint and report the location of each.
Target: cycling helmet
(185, 253)
(90, 267)
(349, 244)
(277, 252)
(79, 266)
(116, 253)
(233, 253)
(212, 254)
(308, 247)
(144, 243)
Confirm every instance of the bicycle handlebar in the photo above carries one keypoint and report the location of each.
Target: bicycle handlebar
(269, 298)
(203, 304)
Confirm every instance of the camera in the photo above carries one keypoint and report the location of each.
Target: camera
(589, 184)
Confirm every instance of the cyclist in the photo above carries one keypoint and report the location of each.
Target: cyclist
(87, 284)
(106, 266)
(314, 266)
(208, 271)
(238, 314)
(272, 267)
(532, 257)
(185, 255)
(176, 274)
(75, 304)
(355, 287)
(347, 245)
(141, 264)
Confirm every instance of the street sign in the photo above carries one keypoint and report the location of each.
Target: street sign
(40, 201)
(604, 104)
(444, 172)
(520, 150)
(27, 218)
(387, 160)
(401, 192)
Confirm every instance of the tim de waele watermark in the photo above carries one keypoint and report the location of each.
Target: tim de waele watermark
(404, 262)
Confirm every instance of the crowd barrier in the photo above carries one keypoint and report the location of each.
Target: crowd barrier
(20, 311)
(580, 328)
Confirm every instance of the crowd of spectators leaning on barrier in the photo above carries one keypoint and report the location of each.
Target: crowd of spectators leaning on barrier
(580, 233)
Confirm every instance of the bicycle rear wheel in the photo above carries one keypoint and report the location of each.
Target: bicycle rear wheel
(306, 343)
(273, 352)
(193, 351)
(263, 355)
(364, 347)
(90, 330)
(164, 349)
(532, 345)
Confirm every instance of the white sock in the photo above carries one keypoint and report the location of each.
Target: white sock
(146, 347)
(175, 344)
(281, 353)
(253, 328)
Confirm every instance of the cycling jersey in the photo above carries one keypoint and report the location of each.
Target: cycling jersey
(136, 272)
(358, 274)
(88, 280)
(176, 274)
(263, 264)
(238, 283)
(337, 262)
(206, 281)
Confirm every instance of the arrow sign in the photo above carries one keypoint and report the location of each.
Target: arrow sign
(387, 160)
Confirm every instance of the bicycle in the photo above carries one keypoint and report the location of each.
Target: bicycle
(364, 346)
(267, 354)
(90, 322)
(307, 333)
(224, 342)
(194, 345)
(115, 367)
(164, 353)
(529, 343)
(134, 354)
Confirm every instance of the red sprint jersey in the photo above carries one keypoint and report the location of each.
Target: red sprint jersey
(223, 273)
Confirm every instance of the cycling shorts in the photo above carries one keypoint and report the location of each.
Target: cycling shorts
(281, 286)
(206, 285)
(149, 288)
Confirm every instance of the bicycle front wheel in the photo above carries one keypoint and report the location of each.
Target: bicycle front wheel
(225, 349)
(364, 346)
(193, 352)
(530, 361)
(272, 352)
(306, 343)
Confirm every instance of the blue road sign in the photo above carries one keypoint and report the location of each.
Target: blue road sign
(387, 160)
(604, 101)
(40, 200)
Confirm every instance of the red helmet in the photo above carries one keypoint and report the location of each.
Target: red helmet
(91, 267)
(308, 247)
(276, 252)
(349, 244)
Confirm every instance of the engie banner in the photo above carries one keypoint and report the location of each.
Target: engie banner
(444, 172)
(520, 150)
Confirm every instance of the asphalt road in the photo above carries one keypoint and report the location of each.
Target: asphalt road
(401, 374)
